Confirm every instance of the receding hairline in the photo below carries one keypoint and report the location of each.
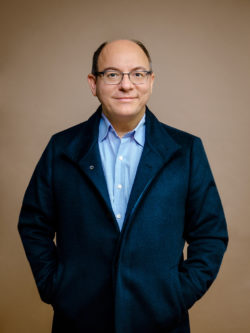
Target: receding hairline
(134, 41)
(103, 46)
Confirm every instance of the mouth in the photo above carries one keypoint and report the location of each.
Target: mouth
(125, 99)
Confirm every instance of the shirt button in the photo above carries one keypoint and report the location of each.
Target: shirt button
(120, 157)
(91, 167)
(119, 185)
(118, 216)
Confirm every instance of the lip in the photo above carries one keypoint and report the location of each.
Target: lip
(125, 99)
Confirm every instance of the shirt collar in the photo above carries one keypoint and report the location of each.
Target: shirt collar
(138, 133)
(104, 128)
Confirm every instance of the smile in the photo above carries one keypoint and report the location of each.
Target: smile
(125, 99)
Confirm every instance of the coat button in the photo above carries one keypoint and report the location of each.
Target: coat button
(91, 167)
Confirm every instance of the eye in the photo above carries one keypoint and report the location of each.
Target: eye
(112, 75)
(138, 75)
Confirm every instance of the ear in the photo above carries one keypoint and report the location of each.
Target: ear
(152, 81)
(92, 83)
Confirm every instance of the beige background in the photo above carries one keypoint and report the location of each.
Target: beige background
(200, 52)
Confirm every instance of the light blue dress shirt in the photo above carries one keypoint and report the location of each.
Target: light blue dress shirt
(120, 158)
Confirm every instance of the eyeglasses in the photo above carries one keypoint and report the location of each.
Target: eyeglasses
(116, 77)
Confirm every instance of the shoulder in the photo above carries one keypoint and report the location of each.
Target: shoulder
(176, 133)
(179, 136)
(190, 145)
(81, 132)
(164, 131)
(69, 133)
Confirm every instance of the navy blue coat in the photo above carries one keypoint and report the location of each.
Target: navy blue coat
(99, 279)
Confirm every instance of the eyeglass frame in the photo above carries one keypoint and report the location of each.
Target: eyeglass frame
(123, 73)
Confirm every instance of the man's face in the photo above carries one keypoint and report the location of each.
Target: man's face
(124, 99)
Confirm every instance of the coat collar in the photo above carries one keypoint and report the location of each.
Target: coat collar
(158, 149)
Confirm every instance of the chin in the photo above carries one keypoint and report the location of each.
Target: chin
(126, 112)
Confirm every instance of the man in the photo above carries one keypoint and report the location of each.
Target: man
(122, 192)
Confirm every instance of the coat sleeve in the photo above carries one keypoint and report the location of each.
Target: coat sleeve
(37, 225)
(205, 229)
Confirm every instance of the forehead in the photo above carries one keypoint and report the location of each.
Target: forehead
(123, 55)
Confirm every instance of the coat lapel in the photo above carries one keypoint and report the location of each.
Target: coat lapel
(158, 150)
(83, 151)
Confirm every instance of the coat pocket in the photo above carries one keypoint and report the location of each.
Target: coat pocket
(57, 279)
(174, 276)
(174, 310)
(150, 301)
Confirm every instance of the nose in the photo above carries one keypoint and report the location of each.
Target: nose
(125, 83)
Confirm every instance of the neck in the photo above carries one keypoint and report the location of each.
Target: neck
(124, 124)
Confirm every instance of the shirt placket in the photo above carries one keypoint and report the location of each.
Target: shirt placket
(119, 183)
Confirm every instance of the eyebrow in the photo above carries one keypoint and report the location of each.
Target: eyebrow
(117, 69)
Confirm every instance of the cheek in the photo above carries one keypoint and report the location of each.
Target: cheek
(104, 92)
(145, 92)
